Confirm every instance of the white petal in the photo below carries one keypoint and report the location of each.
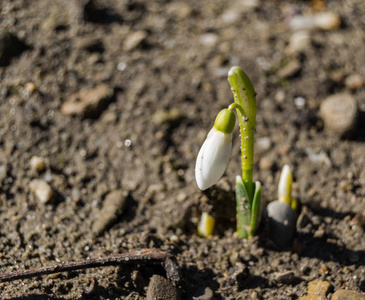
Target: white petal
(213, 158)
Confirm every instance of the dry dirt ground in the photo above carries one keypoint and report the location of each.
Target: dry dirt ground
(116, 98)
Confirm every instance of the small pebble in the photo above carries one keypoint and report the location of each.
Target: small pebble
(299, 102)
(37, 163)
(354, 81)
(280, 96)
(88, 102)
(181, 197)
(155, 188)
(339, 113)
(266, 163)
(324, 21)
(209, 39)
(42, 190)
(323, 269)
(284, 277)
(237, 8)
(281, 223)
(30, 87)
(134, 40)
(238, 273)
(203, 293)
(299, 42)
(171, 116)
(319, 233)
(162, 289)
(254, 296)
(89, 43)
(289, 70)
(316, 290)
(328, 21)
(113, 206)
(174, 238)
(264, 143)
(3, 173)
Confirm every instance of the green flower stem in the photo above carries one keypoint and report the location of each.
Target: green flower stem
(237, 106)
(245, 96)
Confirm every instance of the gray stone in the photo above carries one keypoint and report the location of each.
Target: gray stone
(284, 277)
(42, 190)
(37, 163)
(171, 116)
(134, 40)
(113, 207)
(162, 289)
(281, 223)
(339, 113)
(88, 103)
(3, 173)
(290, 70)
(203, 293)
(299, 42)
(354, 81)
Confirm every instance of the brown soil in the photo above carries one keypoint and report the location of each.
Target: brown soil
(166, 64)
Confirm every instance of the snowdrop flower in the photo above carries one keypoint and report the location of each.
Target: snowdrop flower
(214, 155)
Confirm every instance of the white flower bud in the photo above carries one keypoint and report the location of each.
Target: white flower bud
(213, 158)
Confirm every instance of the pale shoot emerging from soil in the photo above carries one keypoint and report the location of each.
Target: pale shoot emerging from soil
(285, 188)
(206, 225)
(214, 155)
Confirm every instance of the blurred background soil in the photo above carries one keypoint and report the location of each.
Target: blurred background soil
(104, 106)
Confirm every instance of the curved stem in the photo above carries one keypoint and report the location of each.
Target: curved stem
(238, 107)
(245, 97)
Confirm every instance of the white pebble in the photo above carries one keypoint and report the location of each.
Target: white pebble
(280, 96)
(37, 163)
(209, 39)
(325, 21)
(41, 190)
(174, 238)
(328, 21)
(354, 81)
(298, 42)
(339, 113)
(299, 102)
(264, 143)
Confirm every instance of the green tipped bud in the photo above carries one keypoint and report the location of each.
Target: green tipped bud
(225, 121)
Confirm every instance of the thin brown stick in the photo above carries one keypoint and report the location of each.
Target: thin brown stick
(148, 256)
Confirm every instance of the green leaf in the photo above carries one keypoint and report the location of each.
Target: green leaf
(243, 207)
(255, 211)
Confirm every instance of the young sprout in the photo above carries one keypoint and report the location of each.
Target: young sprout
(214, 155)
(206, 225)
(281, 214)
(284, 189)
(285, 182)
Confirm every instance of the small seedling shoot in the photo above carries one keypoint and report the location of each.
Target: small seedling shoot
(281, 214)
(214, 155)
